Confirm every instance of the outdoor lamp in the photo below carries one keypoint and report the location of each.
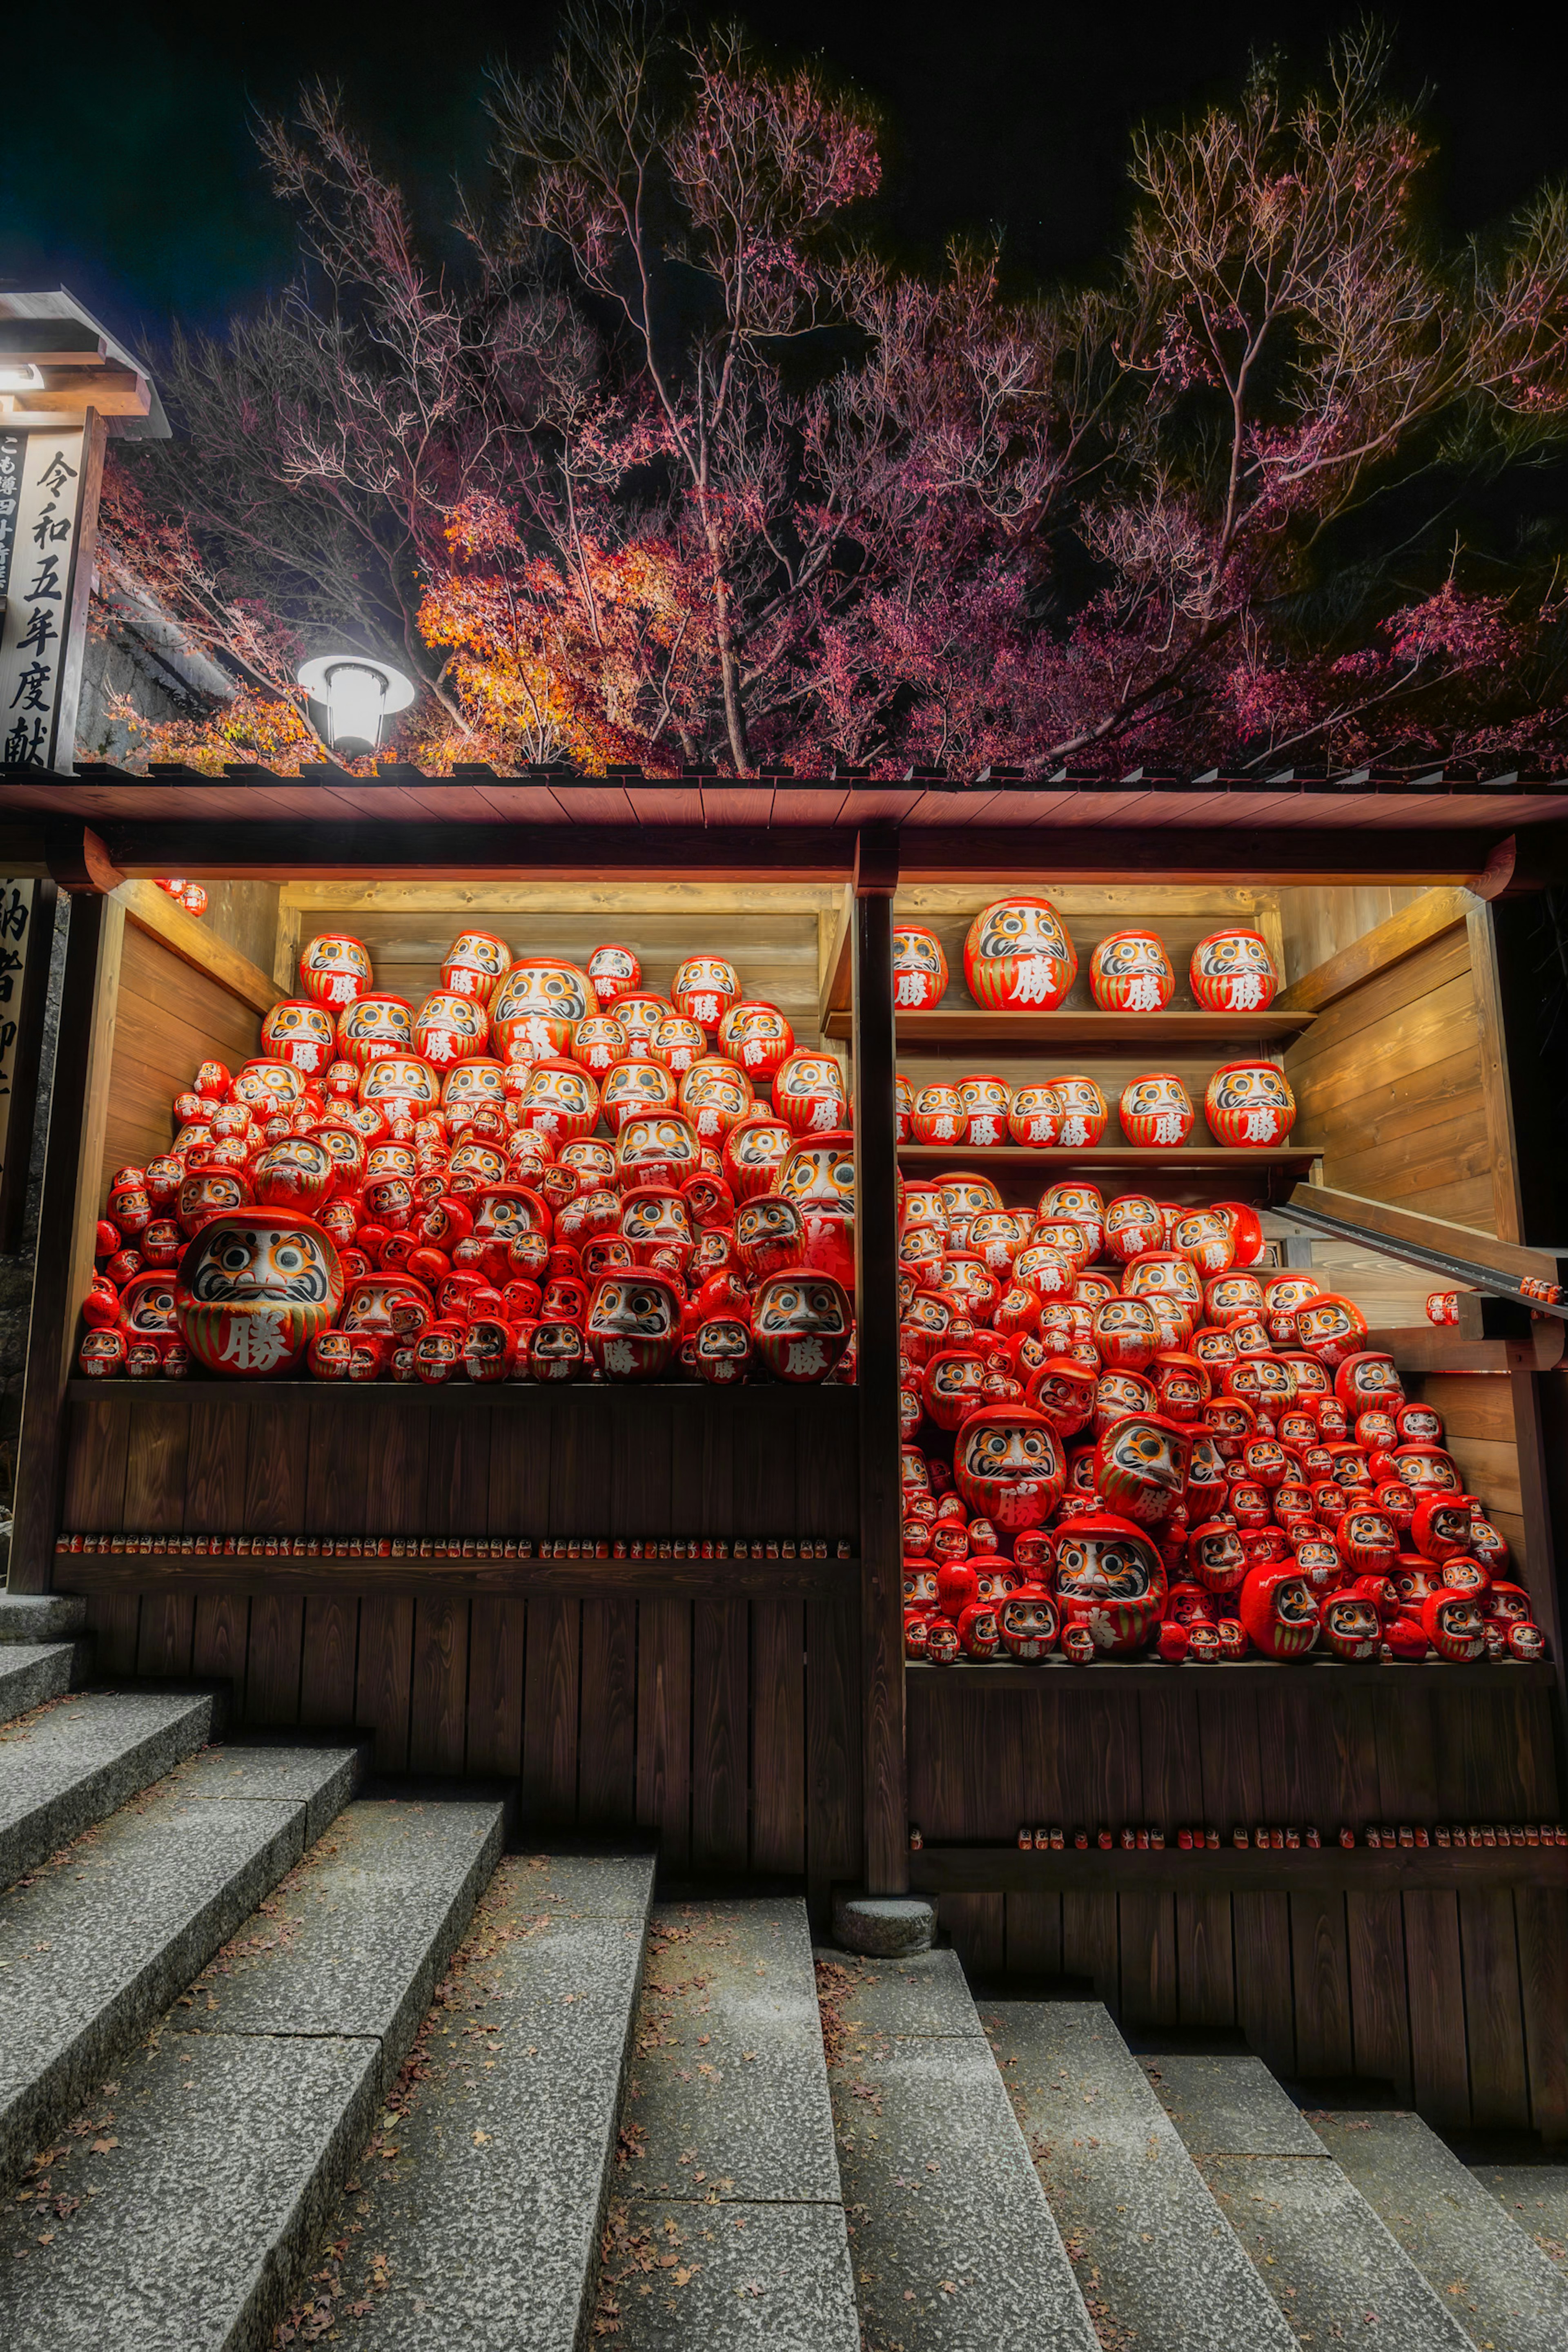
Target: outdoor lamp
(20, 376)
(358, 693)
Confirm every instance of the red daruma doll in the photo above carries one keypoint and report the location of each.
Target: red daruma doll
(1007, 1466)
(1017, 955)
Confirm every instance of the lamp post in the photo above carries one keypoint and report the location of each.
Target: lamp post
(356, 695)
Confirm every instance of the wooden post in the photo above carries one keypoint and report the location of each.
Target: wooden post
(67, 1214)
(31, 1001)
(876, 1276)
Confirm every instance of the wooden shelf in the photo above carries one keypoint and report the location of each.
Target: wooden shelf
(565, 1579)
(1206, 1158)
(1332, 1869)
(968, 1025)
(1320, 1676)
(496, 1395)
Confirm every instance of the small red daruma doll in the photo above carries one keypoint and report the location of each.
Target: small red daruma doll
(800, 1324)
(335, 970)
(375, 1028)
(1332, 1328)
(1028, 1622)
(983, 1107)
(757, 1037)
(919, 970)
(903, 1106)
(676, 1043)
(537, 1007)
(1157, 1109)
(1084, 1111)
(1278, 1611)
(1134, 1226)
(1131, 973)
(703, 990)
(474, 965)
(1017, 955)
(633, 1323)
(938, 1114)
(808, 1094)
(449, 1028)
(1232, 971)
(715, 1094)
(561, 1100)
(614, 971)
(599, 1044)
(1110, 1581)
(1443, 1307)
(1008, 1467)
(1249, 1103)
(302, 1032)
(1034, 1117)
(752, 1156)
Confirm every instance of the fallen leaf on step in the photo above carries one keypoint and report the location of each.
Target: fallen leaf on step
(481, 2139)
(102, 2147)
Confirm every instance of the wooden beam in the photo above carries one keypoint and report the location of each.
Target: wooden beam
(1329, 1870)
(162, 918)
(1426, 919)
(77, 859)
(1430, 1232)
(286, 850)
(837, 985)
(1022, 855)
(348, 895)
(575, 1580)
(79, 1110)
(885, 1764)
(29, 1001)
(1438, 1348)
(1507, 1208)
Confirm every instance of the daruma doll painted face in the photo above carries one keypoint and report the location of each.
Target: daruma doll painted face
(560, 1100)
(919, 970)
(800, 1324)
(449, 1028)
(1249, 1103)
(614, 971)
(1008, 1465)
(373, 1029)
(769, 1234)
(1156, 1108)
(1109, 1580)
(704, 988)
(1034, 1117)
(300, 1032)
(757, 1037)
(676, 1043)
(635, 1088)
(715, 1094)
(1232, 971)
(1017, 954)
(753, 1153)
(819, 1178)
(534, 1009)
(633, 1323)
(335, 970)
(809, 1093)
(475, 962)
(1131, 973)
(255, 1287)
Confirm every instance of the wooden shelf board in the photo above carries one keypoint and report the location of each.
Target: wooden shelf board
(506, 1395)
(1321, 1676)
(1002, 1869)
(1107, 1155)
(970, 1025)
(568, 1580)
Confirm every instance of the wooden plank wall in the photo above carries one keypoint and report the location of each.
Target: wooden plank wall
(728, 1725)
(1316, 924)
(1389, 1079)
(1455, 1999)
(169, 1018)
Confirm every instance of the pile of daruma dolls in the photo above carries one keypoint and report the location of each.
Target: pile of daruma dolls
(1019, 956)
(1123, 1432)
(545, 1173)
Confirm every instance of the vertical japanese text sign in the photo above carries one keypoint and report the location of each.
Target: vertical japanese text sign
(43, 628)
(15, 913)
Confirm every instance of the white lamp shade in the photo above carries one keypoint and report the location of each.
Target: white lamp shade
(358, 694)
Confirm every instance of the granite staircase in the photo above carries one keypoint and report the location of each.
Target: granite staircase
(288, 2056)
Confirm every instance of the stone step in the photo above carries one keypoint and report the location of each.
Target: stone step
(97, 1942)
(1322, 2253)
(32, 1672)
(1497, 2283)
(188, 2197)
(41, 1616)
(482, 2230)
(75, 1760)
(952, 2243)
(726, 2223)
(1157, 2262)
(1535, 2193)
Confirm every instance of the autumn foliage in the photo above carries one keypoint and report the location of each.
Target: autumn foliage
(677, 470)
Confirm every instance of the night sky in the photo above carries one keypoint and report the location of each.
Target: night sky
(127, 170)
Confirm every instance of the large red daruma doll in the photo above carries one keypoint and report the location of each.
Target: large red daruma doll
(1131, 973)
(536, 1008)
(1017, 954)
(335, 970)
(1232, 971)
(919, 969)
(254, 1288)
(302, 1032)
(1008, 1465)
(819, 1176)
(1249, 1103)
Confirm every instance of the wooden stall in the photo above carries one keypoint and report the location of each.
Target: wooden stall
(437, 1566)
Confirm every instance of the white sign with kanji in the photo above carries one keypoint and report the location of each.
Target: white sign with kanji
(40, 653)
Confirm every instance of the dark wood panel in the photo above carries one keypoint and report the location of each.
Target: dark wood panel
(384, 1677)
(1089, 1943)
(607, 1760)
(551, 1711)
(664, 1727)
(1434, 1976)
(1374, 1943)
(1265, 1998)
(496, 1639)
(114, 1619)
(165, 1633)
(1540, 1918)
(97, 1455)
(978, 1926)
(1033, 1935)
(273, 1661)
(1206, 1961)
(222, 1636)
(438, 1712)
(1494, 2022)
(1321, 1975)
(1148, 1940)
(835, 1823)
(720, 1774)
(332, 1656)
(778, 1735)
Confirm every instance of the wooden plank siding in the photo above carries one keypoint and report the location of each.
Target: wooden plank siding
(1323, 1984)
(168, 1019)
(1390, 1081)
